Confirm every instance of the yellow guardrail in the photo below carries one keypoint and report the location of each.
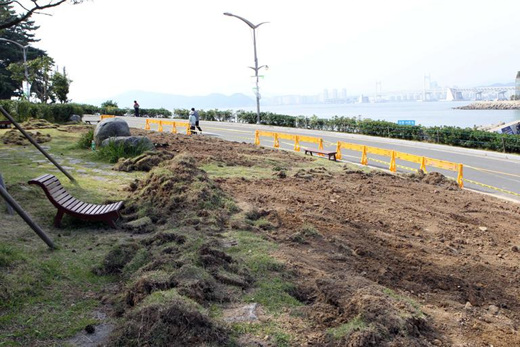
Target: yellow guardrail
(103, 116)
(296, 138)
(162, 123)
(393, 155)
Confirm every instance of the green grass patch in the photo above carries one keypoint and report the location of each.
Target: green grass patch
(346, 329)
(415, 305)
(85, 140)
(48, 295)
(9, 254)
(271, 289)
(270, 329)
(113, 151)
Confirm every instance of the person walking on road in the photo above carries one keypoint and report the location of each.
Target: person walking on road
(136, 108)
(192, 120)
(196, 115)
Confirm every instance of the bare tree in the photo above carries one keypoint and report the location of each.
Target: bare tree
(26, 8)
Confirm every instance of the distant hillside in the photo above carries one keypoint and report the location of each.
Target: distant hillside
(509, 84)
(171, 101)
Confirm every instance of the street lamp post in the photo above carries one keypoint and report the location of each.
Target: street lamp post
(256, 67)
(25, 88)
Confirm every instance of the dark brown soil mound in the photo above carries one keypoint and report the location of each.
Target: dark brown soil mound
(181, 193)
(174, 323)
(16, 137)
(377, 259)
(33, 123)
(438, 179)
(144, 162)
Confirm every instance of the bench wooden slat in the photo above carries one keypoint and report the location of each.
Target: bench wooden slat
(96, 209)
(66, 203)
(84, 209)
(54, 188)
(104, 209)
(91, 208)
(78, 206)
(61, 195)
(66, 200)
(44, 178)
(111, 207)
(69, 202)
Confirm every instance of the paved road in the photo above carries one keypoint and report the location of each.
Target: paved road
(498, 170)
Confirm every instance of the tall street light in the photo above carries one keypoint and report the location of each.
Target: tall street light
(25, 88)
(256, 67)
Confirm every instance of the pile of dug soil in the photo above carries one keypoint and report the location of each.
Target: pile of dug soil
(378, 259)
(181, 193)
(143, 162)
(15, 137)
(449, 253)
(34, 123)
(438, 179)
(173, 322)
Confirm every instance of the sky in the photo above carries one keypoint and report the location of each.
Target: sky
(190, 48)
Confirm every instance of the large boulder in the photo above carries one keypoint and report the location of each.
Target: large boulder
(75, 118)
(131, 141)
(110, 127)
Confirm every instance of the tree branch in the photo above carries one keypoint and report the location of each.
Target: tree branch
(29, 11)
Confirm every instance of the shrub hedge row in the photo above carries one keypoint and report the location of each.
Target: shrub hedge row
(448, 135)
(60, 113)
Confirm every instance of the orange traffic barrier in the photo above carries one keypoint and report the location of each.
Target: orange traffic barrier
(173, 124)
(296, 138)
(103, 116)
(423, 161)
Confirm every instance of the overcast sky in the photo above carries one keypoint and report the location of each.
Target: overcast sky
(191, 48)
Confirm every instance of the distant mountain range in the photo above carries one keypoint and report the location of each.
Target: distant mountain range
(207, 102)
(172, 101)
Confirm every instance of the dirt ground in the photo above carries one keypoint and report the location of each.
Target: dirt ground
(381, 247)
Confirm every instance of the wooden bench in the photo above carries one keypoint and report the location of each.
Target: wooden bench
(91, 122)
(330, 154)
(5, 124)
(66, 203)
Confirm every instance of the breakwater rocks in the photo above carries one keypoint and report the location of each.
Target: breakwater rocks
(492, 105)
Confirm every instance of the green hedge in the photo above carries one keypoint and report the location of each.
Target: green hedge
(60, 113)
(447, 135)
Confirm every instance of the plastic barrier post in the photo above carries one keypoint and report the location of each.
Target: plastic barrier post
(338, 151)
(392, 162)
(297, 143)
(147, 125)
(160, 126)
(423, 164)
(460, 181)
(276, 142)
(174, 128)
(364, 159)
(257, 137)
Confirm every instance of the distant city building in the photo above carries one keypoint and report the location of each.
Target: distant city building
(334, 94)
(325, 95)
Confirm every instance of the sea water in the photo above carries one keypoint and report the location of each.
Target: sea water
(423, 113)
